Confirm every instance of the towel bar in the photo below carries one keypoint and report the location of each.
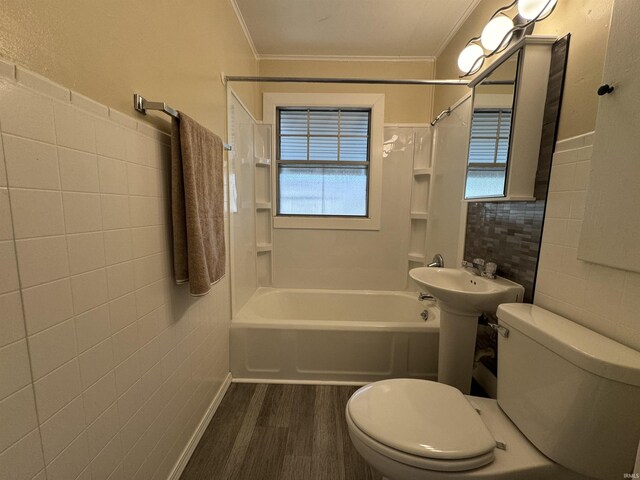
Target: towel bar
(141, 105)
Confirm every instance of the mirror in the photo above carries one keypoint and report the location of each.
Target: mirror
(503, 162)
(490, 137)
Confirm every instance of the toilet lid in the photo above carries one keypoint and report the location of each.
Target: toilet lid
(422, 418)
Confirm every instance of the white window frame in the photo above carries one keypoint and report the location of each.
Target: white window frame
(375, 102)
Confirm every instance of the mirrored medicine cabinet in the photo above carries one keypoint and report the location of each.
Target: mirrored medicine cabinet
(506, 123)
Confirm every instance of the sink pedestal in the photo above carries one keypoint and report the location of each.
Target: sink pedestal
(456, 348)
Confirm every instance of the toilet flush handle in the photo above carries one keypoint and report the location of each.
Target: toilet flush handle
(500, 329)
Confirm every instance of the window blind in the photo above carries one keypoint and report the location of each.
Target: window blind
(323, 161)
(490, 131)
(323, 135)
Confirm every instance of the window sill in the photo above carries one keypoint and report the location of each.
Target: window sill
(326, 223)
(509, 198)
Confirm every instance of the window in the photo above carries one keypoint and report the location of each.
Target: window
(327, 169)
(488, 152)
(322, 161)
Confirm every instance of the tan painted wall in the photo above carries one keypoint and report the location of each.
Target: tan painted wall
(588, 23)
(166, 50)
(403, 104)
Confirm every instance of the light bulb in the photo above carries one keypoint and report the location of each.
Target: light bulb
(471, 59)
(530, 9)
(495, 31)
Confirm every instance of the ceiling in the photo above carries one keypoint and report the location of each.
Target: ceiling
(351, 28)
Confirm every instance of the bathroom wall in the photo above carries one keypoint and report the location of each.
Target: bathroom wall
(170, 51)
(352, 259)
(604, 299)
(587, 21)
(403, 104)
(601, 298)
(510, 234)
(106, 366)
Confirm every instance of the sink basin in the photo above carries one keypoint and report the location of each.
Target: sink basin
(464, 292)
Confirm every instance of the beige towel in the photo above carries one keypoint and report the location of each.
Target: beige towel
(197, 205)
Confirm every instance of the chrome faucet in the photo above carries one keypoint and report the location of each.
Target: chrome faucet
(480, 268)
(437, 261)
(475, 267)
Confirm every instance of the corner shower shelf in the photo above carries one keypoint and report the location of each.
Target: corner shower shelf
(416, 257)
(263, 206)
(262, 162)
(419, 215)
(421, 171)
(264, 247)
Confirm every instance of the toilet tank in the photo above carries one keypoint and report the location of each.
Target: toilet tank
(573, 393)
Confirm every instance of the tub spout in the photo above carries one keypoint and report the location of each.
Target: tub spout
(437, 261)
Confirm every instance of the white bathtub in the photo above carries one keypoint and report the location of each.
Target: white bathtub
(333, 336)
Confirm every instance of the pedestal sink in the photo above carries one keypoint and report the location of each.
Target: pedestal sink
(462, 297)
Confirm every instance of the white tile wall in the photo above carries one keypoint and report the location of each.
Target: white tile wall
(42, 259)
(78, 171)
(21, 455)
(31, 164)
(14, 368)
(603, 299)
(110, 367)
(47, 305)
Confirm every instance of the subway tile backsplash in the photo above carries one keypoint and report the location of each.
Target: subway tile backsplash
(507, 233)
(106, 366)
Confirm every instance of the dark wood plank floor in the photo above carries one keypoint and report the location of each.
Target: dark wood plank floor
(279, 432)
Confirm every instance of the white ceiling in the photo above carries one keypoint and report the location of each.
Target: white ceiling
(352, 28)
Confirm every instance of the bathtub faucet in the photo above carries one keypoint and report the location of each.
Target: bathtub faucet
(437, 261)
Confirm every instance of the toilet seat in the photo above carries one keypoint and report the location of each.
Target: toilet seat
(420, 423)
(416, 461)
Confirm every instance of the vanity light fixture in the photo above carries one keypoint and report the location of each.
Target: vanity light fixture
(501, 29)
(536, 9)
(496, 35)
(471, 58)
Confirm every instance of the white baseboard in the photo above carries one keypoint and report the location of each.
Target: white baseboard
(281, 381)
(202, 426)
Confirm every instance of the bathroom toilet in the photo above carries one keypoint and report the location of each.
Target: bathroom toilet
(568, 407)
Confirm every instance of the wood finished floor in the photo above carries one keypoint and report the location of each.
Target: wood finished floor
(279, 432)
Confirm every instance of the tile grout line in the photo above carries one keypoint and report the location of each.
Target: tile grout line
(24, 316)
(73, 305)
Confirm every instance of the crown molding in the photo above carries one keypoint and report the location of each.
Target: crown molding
(348, 58)
(245, 29)
(457, 26)
(353, 58)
